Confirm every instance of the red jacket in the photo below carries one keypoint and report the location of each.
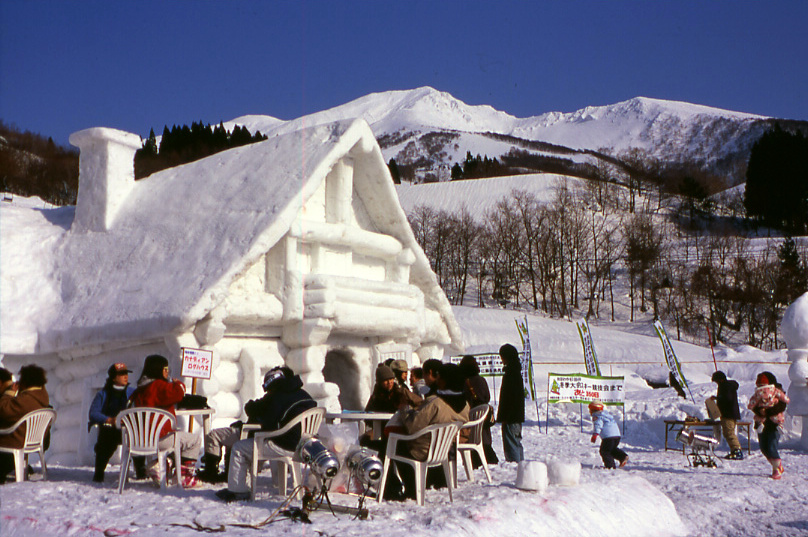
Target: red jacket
(159, 393)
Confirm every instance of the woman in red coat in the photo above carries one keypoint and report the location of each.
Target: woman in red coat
(155, 388)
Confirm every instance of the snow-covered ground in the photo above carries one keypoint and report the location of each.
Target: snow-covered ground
(656, 494)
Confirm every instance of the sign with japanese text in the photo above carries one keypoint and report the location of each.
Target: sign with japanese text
(197, 363)
(590, 357)
(580, 388)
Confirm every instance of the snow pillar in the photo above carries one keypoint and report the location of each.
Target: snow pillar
(795, 333)
(106, 175)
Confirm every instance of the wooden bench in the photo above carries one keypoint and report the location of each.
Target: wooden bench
(674, 426)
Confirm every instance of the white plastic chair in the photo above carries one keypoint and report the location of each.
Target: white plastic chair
(475, 426)
(36, 424)
(141, 436)
(442, 437)
(309, 422)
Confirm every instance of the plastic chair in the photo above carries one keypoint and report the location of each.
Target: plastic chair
(475, 426)
(442, 437)
(141, 436)
(309, 422)
(36, 424)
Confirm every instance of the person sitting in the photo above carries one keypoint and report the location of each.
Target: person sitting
(227, 436)
(285, 399)
(387, 396)
(417, 381)
(106, 405)
(431, 369)
(155, 388)
(477, 393)
(401, 370)
(17, 400)
(446, 406)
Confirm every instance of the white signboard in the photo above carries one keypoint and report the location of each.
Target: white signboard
(196, 363)
(580, 388)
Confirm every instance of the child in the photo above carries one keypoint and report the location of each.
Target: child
(607, 429)
(768, 403)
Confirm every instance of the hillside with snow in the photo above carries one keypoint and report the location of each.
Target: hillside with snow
(430, 130)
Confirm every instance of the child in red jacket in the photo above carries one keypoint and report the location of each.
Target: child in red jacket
(155, 388)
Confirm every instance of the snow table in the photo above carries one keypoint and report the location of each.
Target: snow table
(378, 419)
(674, 426)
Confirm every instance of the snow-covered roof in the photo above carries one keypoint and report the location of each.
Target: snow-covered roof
(181, 237)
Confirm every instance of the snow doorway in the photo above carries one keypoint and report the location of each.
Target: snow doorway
(341, 369)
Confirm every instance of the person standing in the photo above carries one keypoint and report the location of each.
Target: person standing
(607, 429)
(17, 400)
(726, 398)
(106, 405)
(155, 388)
(768, 404)
(511, 410)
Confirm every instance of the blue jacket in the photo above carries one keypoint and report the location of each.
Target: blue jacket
(108, 402)
(605, 426)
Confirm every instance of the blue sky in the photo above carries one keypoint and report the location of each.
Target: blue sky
(66, 65)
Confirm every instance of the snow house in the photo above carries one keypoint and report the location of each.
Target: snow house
(294, 251)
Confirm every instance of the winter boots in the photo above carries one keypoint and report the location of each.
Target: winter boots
(210, 471)
(735, 455)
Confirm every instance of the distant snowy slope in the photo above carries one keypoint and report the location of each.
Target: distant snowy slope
(430, 130)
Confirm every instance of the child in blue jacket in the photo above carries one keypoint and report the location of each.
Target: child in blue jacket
(607, 429)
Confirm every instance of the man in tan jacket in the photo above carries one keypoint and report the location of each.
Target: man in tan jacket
(17, 400)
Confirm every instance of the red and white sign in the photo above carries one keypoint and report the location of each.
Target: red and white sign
(197, 363)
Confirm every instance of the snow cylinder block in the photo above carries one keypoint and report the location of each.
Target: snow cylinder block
(564, 473)
(531, 475)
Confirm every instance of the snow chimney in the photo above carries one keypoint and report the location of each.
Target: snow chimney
(106, 175)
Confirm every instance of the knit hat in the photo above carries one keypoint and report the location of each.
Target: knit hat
(117, 369)
(718, 376)
(383, 373)
(595, 406)
(765, 378)
(399, 365)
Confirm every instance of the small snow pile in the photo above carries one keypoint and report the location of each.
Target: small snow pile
(532, 475)
(564, 473)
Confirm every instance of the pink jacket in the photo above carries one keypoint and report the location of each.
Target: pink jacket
(767, 396)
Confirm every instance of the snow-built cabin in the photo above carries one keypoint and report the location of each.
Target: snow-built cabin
(294, 251)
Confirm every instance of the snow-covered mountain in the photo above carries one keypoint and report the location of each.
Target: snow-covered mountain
(427, 131)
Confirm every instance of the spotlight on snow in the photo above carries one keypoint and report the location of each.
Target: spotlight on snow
(322, 462)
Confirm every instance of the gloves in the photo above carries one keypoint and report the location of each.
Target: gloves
(594, 437)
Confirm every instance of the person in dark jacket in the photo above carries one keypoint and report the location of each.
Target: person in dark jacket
(106, 405)
(477, 393)
(511, 410)
(726, 399)
(285, 399)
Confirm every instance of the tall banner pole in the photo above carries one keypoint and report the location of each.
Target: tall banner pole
(670, 358)
(524, 334)
(590, 356)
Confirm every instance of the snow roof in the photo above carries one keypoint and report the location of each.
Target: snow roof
(207, 222)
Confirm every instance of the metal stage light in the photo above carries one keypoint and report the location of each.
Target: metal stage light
(365, 466)
(322, 462)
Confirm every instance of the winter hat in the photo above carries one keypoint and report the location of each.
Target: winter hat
(117, 369)
(399, 365)
(595, 406)
(383, 373)
(718, 376)
(765, 378)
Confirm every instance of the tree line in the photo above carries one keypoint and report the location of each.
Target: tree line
(184, 144)
(583, 252)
